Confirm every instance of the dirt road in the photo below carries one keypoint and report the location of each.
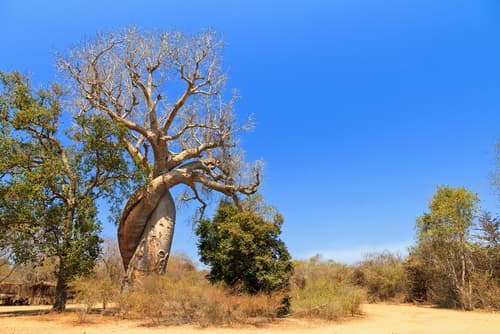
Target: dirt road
(378, 319)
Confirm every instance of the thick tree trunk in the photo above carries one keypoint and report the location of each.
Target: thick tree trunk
(61, 294)
(145, 234)
(152, 253)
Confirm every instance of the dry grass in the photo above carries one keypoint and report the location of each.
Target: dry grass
(326, 300)
(90, 292)
(323, 290)
(184, 296)
(193, 300)
(383, 276)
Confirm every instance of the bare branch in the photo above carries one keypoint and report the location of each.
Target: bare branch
(203, 204)
(177, 107)
(191, 153)
(190, 135)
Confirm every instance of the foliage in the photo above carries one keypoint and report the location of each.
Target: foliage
(452, 211)
(324, 290)
(443, 237)
(383, 275)
(243, 250)
(51, 178)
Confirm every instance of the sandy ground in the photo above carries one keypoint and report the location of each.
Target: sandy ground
(378, 319)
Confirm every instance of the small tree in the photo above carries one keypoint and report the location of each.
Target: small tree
(446, 230)
(243, 249)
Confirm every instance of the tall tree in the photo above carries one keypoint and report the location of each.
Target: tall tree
(166, 90)
(49, 181)
(446, 230)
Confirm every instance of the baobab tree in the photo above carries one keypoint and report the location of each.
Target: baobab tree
(165, 89)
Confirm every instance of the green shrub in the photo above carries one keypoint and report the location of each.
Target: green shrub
(244, 251)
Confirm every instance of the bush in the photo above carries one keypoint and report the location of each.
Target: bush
(324, 290)
(193, 300)
(88, 293)
(486, 292)
(244, 251)
(383, 276)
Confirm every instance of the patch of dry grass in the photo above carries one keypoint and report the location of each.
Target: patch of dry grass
(193, 300)
(324, 290)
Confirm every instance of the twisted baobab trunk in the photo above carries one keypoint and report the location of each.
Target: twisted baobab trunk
(146, 230)
(187, 139)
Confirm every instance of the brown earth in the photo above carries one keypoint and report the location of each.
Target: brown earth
(378, 319)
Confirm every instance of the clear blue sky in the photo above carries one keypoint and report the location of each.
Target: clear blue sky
(362, 107)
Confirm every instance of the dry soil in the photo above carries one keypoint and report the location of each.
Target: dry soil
(377, 319)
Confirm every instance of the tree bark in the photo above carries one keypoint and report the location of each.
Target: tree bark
(61, 293)
(149, 253)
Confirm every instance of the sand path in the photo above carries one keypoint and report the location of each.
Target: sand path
(378, 319)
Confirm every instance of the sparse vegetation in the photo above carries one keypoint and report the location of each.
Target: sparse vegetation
(194, 300)
(383, 275)
(318, 289)
(323, 289)
(183, 296)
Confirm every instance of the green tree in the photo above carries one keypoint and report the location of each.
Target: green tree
(166, 90)
(50, 180)
(243, 250)
(445, 229)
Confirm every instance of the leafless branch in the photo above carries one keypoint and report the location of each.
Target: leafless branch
(127, 76)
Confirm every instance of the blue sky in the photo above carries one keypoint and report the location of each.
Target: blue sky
(362, 107)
